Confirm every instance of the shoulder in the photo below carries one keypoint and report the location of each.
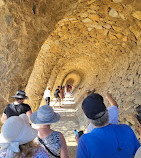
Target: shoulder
(113, 107)
(25, 105)
(8, 106)
(122, 128)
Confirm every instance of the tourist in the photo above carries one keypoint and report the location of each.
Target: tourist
(62, 94)
(47, 96)
(53, 141)
(138, 128)
(112, 112)
(106, 140)
(17, 107)
(57, 96)
(16, 139)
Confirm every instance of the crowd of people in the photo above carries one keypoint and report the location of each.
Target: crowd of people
(60, 93)
(105, 137)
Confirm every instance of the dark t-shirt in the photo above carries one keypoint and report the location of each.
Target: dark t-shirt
(56, 94)
(16, 110)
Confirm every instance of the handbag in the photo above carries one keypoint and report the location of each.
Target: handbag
(40, 140)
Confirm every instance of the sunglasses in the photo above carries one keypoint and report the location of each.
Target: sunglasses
(19, 99)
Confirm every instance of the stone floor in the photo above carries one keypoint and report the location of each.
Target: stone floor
(67, 124)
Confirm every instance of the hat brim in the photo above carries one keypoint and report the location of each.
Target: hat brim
(20, 97)
(34, 119)
(28, 134)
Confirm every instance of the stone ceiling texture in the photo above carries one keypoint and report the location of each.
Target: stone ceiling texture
(93, 43)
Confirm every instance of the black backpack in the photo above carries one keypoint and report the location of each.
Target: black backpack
(56, 93)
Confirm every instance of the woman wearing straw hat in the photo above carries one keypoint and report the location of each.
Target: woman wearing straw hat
(53, 141)
(17, 108)
(16, 139)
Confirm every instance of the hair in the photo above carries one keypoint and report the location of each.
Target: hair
(100, 121)
(27, 150)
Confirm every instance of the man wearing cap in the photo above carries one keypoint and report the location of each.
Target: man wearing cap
(106, 140)
(112, 112)
(17, 108)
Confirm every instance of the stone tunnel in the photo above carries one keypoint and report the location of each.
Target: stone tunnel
(90, 44)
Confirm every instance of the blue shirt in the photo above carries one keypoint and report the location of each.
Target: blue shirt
(111, 141)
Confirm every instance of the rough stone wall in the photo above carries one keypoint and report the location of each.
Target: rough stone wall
(98, 39)
(97, 30)
(124, 82)
(22, 33)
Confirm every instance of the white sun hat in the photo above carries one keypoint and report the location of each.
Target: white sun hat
(16, 131)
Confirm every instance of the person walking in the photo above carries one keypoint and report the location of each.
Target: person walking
(17, 107)
(53, 141)
(57, 96)
(62, 94)
(106, 140)
(47, 96)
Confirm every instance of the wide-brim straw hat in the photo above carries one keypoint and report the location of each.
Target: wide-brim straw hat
(44, 116)
(20, 94)
(17, 129)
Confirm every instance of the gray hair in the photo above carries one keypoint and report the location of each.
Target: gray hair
(102, 120)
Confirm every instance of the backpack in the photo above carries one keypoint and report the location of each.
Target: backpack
(56, 93)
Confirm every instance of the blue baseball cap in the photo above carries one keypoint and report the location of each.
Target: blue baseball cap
(93, 105)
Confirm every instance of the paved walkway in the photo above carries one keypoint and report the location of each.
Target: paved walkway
(67, 124)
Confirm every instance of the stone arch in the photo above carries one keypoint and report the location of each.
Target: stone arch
(99, 39)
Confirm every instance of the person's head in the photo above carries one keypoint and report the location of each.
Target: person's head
(138, 119)
(16, 131)
(48, 88)
(20, 96)
(58, 87)
(45, 115)
(95, 110)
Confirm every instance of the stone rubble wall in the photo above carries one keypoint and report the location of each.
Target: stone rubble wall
(124, 83)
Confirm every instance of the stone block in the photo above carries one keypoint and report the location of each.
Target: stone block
(113, 13)
(84, 15)
(136, 30)
(138, 98)
(94, 17)
(112, 36)
(117, 1)
(124, 38)
(87, 20)
(119, 35)
(137, 15)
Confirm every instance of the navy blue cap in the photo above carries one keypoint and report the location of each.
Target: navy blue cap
(93, 105)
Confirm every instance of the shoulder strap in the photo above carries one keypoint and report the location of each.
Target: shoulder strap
(40, 140)
(15, 109)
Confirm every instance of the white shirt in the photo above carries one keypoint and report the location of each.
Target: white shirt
(47, 93)
(138, 153)
(113, 117)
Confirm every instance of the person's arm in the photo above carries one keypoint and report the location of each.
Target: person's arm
(111, 100)
(63, 150)
(3, 118)
(28, 113)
